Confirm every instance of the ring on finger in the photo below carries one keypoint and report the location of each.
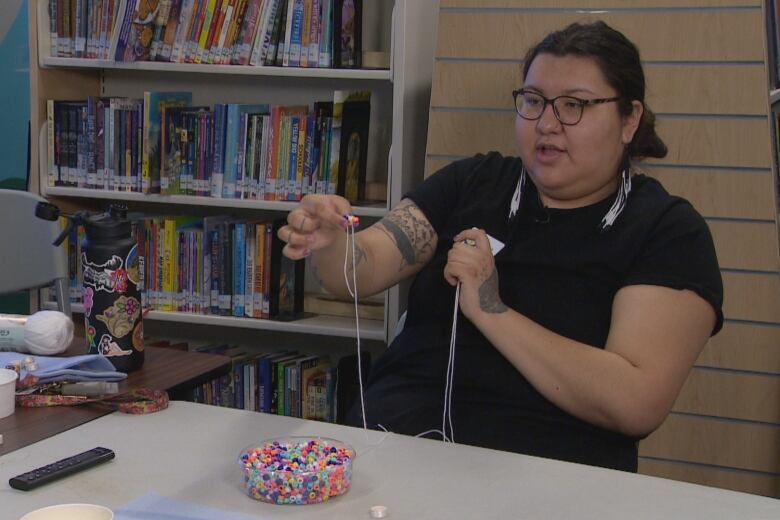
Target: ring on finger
(289, 235)
(303, 223)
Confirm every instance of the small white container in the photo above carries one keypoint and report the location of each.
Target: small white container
(71, 512)
(7, 391)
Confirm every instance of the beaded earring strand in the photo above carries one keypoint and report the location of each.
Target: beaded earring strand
(351, 222)
(446, 419)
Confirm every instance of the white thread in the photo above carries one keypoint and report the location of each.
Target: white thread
(44, 333)
(354, 294)
(450, 375)
(426, 432)
(449, 384)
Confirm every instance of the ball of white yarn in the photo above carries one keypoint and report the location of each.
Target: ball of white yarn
(48, 332)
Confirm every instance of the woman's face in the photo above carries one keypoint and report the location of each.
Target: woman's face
(574, 165)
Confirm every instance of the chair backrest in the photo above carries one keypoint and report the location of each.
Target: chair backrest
(27, 257)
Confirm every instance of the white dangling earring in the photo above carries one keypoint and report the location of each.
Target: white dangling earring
(515, 204)
(620, 201)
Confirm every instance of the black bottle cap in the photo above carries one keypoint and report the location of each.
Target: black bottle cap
(113, 224)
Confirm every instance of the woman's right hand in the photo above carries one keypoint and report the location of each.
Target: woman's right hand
(315, 223)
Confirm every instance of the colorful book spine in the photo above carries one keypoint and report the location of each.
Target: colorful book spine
(293, 50)
(182, 31)
(314, 33)
(249, 267)
(218, 163)
(163, 12)
(52, 171)
(257, 274)
(239, 271)
(292, 166)
(326, 34)
(300, 157)
(249, 29)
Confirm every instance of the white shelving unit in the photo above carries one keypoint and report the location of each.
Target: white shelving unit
(187, 200)
(233, 70)
(322, 325)
(400, 98)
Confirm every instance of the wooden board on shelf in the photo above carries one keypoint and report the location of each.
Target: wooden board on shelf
(326, 304)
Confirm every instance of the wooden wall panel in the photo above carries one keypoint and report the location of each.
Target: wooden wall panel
(745, 245)
(719, 393)
(718, 442)
(706, 80)
(744, 346)
(742, 194)
(751, 296)
(746, 482)
(707, 89)
(718, 35)
(715, 142)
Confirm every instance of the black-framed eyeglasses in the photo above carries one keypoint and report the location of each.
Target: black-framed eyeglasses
(567, 109)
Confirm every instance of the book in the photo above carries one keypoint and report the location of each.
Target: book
(133, 39)
(160, 21)
(287, 277)
(151, 157)
(347, 33)
(314, 390)
(162, 51)
(339, 96)
(233, 144)
(326, 34)
(353, 147)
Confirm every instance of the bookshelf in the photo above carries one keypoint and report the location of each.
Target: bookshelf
(320, 325)
(399, 104)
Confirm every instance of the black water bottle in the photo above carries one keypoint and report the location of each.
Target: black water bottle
(112, 301)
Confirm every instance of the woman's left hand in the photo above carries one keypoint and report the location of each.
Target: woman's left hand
(470, 261)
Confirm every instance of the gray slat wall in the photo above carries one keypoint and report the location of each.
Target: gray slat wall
(705, 62)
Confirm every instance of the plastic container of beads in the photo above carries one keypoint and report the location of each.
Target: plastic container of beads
(296, 470)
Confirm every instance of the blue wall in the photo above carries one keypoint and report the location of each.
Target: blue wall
(15, 113)
(14, 93)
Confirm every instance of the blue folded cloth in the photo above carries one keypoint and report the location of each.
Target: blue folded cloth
(90, 367)
(156, 507)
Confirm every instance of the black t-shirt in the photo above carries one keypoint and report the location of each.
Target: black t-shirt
(558, 269)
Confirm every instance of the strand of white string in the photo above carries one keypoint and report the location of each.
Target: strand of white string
(450, 375)
(446, 419)
(353, 292)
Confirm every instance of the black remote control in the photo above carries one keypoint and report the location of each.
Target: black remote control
(61, 468)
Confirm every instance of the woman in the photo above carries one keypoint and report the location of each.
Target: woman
(575, 339)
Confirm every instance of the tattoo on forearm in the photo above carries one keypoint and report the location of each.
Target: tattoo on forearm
(412, 236)
(489, 300)
(360, 255)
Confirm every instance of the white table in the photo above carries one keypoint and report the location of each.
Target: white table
(188, 452)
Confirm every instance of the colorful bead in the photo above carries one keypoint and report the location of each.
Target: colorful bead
(304, 471)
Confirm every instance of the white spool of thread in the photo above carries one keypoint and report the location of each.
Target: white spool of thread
(45, 333)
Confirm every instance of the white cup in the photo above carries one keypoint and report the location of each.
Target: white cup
(71, 512)
(7, 391)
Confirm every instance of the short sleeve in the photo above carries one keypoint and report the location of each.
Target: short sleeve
(438, 194)
(679, 253)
